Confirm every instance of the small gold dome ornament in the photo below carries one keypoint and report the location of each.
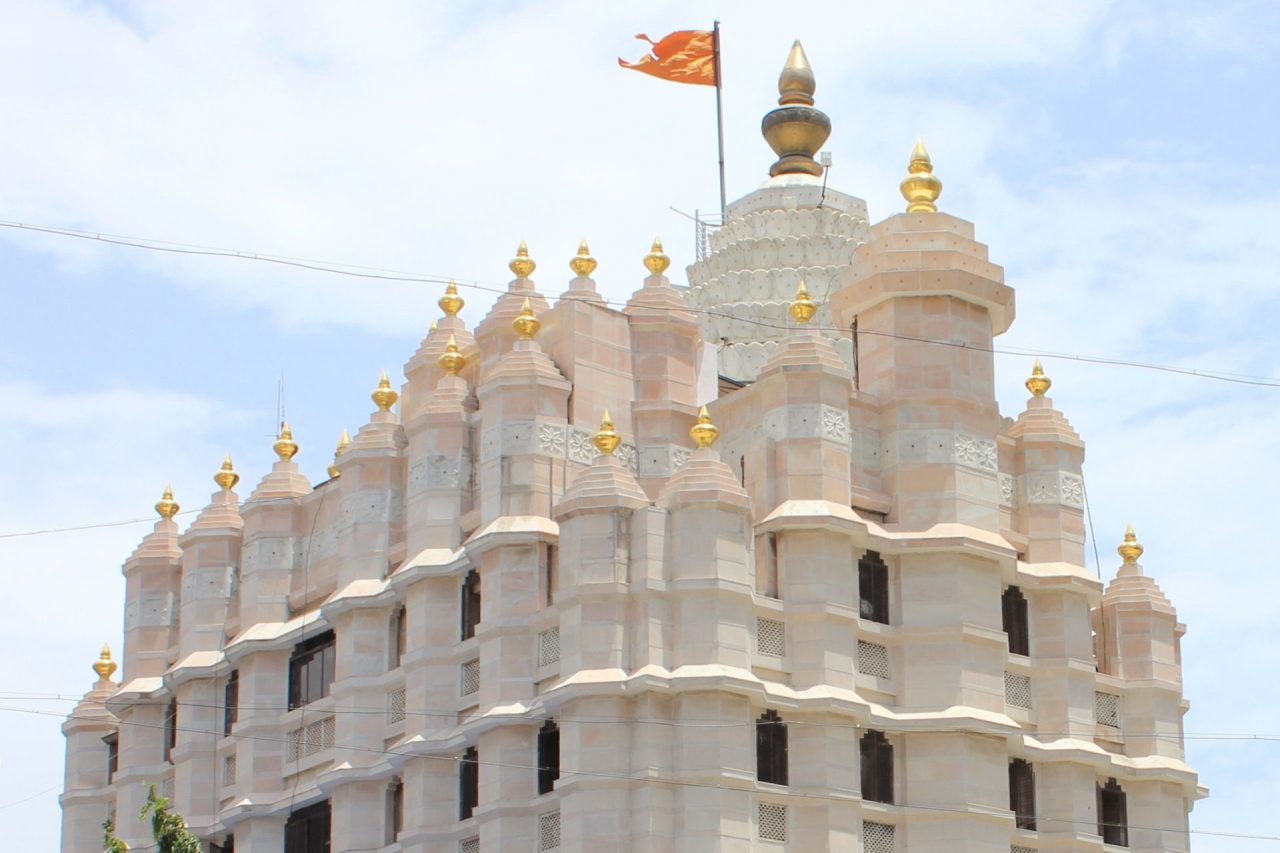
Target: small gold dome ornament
(704, 433)
(104, 666)
(527, 324)
(583, 264)
(802, 307)
(796, 130)
(384, 396)
(522, 265)
(451, 361)
(656, 262)
(226, 478)
(1038, 384)
(167, 507)
(1130, 550)
(451, 303)
(920, 187)
(434, 325)
(344, 441)
(606, 440)
(285, 447)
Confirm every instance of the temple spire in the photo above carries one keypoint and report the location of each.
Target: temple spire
(796, 130)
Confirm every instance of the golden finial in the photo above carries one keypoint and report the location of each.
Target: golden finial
(1038, 384)
(384, 396)
(1130, 550)
(796, 130)
(344, 441)
(796, 83)
(167, 507)
(451, 303)
(451, 361)
(921, 187)
(285, 447)
(704, 433)
(226, 478)
(606, 440)
(104, 666)
(522, 265)
(802, 307)
(434, 326)
(582, 263)
(527, 324)
(656, 262)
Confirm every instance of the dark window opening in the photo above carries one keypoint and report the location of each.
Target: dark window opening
(399, 637)
(170, 729)
(395, 810)
(228, 845)
(311, 670)
(470, 604)
(771, 749)
(548, 756)
(873, 588)
(307, 830)
(877, 767)
(113, 755)
(552, 570)
(1113, 814)
(231, 702)
(468, 783)
(1022, 793)
(1014, 611)
(767, 583)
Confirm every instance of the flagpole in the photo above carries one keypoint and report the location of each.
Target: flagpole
(715, 46)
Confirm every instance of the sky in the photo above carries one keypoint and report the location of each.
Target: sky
(1117, 157)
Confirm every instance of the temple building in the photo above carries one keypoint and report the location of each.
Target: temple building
(584, 583)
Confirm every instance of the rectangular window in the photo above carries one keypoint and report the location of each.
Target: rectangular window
(470, 604)
(1113, 814)
(113, 755)
(767, 565)
(468, 783)
(873, 588)
(170, 729)
(551, 570)
(1022, 793)
(548, 756)
(1014, 611)
(399, 637)
(311, 670)
(877, 767)
(307, 830)
(771, 749)
(231, 702)
(395, 810)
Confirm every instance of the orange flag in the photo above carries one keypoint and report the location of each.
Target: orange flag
(687, 56)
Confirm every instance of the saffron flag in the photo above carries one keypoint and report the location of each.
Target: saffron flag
(687, 56)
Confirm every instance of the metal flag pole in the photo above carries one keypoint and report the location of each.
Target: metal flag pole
(715, 48)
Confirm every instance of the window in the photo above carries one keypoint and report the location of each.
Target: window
(551, 569)
(1022, 793)
(113, 754)
(307, 830)
(228, 845)
(470, 604)
(771, 749)
(1113, 814)
(548, 756)
(468, 783)
(231, 702)
(873, 588)
(170, 729)
(399, 637)
(395, 809)
(877, 767)
(1014, 606)
(311, 670)
(767, 565)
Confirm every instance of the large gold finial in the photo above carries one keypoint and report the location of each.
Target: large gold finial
(796, 130)
(802, 307)
(451, 361)
(1130, 550)
(285, 447)
(606, 440)
(920, 187)
(582, 263)
(226, 478)
(704, 433)
(167, 507)
(527, 324)
(656, 262)
(522, 265)
(451, 303)
(104, 666)
(1038, 384)
(344, 441)
(384, 396)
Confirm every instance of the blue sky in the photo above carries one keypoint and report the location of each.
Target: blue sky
(1117, 158)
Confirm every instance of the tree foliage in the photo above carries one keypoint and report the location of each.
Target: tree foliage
(167, 828)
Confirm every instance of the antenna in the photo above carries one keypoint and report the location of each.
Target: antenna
(280, 403)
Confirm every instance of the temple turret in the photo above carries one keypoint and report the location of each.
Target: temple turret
(494, 335)
(92, 734)
(423, 371)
